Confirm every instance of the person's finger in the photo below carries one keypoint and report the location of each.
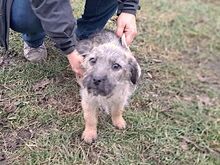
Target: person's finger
(120, 29)
(130, 36)
(80, 71)
(78, 74)
(129, 39)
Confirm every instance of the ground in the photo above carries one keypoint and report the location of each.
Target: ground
(173, 117)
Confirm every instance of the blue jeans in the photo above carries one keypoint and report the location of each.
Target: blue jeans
(94, 18)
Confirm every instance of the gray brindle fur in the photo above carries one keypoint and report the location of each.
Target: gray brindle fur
(111, 75)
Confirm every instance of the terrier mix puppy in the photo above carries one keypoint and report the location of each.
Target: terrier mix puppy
(110, 77)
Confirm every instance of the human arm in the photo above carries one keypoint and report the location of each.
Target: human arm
(58, 22)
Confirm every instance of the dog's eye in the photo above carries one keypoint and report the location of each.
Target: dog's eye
(92, 61)
(116, 66)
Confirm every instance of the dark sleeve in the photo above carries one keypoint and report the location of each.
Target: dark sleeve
(128, 6)
(57, 21)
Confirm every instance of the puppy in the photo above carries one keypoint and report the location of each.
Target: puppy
(110, 77)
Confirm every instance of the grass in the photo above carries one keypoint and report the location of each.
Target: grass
(173, 117)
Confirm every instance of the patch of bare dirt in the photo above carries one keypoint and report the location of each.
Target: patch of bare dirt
(208, 72)
(65, 101)
(168, 17)
(215, 67)
(7, 58)
(10, 140)
(215, 2)
(7, 104)
(40, 85)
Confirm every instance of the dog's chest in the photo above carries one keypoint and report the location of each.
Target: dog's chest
(118, 99)
(104, 104)
(115, 101)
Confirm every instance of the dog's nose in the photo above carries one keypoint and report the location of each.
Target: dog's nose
(97, 80)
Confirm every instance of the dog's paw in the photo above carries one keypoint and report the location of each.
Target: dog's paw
(89, 136)
(119, 123)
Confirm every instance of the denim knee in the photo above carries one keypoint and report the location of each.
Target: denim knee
(94, 18)
(23, 19)
(25, 26)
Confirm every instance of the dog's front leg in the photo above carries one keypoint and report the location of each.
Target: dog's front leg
(90, 116)
(117, 118)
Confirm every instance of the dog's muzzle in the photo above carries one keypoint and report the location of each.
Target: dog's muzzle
(98, 85)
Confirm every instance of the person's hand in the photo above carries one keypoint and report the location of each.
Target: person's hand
(126, 23)
(75, 61)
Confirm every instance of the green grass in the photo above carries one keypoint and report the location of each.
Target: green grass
(173, 117)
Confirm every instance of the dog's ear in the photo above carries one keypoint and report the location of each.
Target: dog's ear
(123, 42)
(84, 47)
(135, 71)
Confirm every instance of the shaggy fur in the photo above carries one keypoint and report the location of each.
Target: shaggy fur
(111, 75)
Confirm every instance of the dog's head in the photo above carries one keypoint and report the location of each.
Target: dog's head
(108, 66)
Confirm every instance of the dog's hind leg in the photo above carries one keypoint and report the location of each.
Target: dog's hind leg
(91, 117)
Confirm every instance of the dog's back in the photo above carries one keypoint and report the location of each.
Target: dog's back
(97, 39)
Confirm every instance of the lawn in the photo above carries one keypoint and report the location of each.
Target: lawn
(173, 117)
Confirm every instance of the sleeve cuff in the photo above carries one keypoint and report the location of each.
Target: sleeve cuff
(127, 11)
(67, 51)
(128, 8)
